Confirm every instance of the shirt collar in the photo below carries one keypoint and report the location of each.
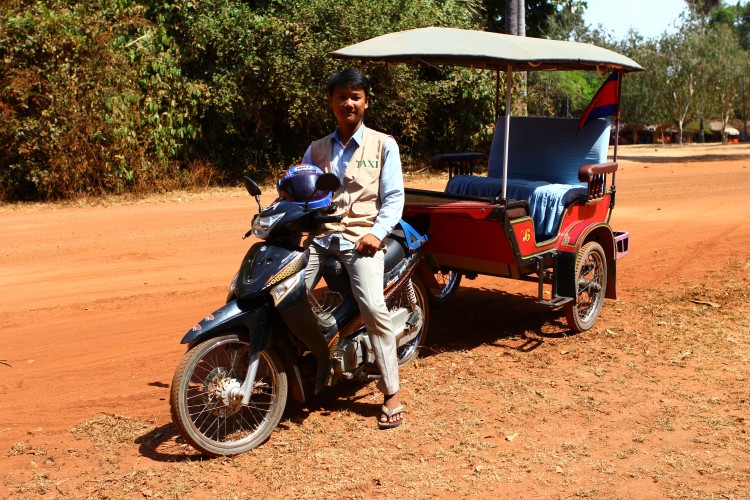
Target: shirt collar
(357, 137)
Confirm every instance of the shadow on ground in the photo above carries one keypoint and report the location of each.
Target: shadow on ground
(474, 317)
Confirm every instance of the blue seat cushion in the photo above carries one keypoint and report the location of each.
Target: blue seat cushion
(546, 201)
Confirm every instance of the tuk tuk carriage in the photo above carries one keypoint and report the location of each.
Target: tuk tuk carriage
(542, 212)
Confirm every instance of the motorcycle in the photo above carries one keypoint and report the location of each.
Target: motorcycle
(274, 336)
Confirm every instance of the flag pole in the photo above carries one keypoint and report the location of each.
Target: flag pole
(617, 116)
(620, 75)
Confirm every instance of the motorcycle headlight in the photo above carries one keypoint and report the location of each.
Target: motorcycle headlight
(262, 225)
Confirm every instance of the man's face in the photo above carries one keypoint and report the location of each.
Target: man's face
(348, 105)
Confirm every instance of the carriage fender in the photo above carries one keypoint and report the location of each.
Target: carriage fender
(575, 237)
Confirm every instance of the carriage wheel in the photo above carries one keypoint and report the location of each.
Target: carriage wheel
(449, 282)
(591, 279)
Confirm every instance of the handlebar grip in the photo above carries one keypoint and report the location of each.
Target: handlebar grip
(330, 218)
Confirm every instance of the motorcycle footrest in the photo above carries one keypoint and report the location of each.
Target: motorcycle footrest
(413, 319)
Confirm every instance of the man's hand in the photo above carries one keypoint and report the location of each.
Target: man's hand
(368, 245)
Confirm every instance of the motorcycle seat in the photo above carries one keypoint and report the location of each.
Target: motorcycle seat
(395, 252)
(394, 249)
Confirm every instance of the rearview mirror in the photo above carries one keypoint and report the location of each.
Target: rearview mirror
(254, 191)
(251, 186)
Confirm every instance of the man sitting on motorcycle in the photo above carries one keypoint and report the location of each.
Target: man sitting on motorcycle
(370, 200)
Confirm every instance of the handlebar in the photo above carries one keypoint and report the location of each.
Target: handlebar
(305, 221)
(330, 218)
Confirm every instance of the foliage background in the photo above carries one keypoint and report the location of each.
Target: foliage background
(114, 96)
(124, 95)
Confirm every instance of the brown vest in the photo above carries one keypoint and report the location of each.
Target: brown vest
(358, 200)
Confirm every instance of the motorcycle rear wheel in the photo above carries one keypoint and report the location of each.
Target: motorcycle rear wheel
(409, 352)
(205, 405)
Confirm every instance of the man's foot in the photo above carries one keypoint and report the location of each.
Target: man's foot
(392, 412)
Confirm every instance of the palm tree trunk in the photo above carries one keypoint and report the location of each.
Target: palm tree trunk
(511, 17)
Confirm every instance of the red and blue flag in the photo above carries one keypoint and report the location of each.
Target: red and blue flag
(606, 102)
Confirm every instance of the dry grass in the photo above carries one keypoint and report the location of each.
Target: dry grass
(652, 403)
(110, 431)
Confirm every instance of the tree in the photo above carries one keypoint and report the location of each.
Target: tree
(566, 21)
(678, 67)
(266, 64)
(119, 95)
(666, 91)
(642, 94)
(511, 17)
(536, 15)
(726, 64)
(92, 100)
(703, 7)
(737, 17)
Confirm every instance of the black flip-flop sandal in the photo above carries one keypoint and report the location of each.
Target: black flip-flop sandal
(390, 414)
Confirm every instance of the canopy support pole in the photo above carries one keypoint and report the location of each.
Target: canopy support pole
(508, 98)
(497, 94)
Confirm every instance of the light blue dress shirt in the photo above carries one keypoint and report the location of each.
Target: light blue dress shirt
(391, 183)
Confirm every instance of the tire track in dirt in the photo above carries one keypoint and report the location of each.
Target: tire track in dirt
(701, 252)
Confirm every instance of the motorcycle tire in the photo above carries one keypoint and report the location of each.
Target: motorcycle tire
(205, 405)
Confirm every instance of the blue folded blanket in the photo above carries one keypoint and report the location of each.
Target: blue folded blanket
(546, 201)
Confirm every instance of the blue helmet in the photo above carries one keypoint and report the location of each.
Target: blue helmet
(298, 186)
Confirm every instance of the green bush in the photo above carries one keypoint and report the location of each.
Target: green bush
(265, 65)
(92, 101)
(117, 96)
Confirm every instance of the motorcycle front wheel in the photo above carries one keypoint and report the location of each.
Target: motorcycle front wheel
(206, 403)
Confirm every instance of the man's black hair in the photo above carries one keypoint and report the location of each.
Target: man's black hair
(349, 78)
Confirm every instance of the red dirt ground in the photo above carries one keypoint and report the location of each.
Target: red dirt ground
(95, 299)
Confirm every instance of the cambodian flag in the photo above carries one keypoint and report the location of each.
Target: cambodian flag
(606, 102)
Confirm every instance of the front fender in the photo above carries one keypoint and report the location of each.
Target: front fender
(253, 320)
(579, 234)
(254, 323)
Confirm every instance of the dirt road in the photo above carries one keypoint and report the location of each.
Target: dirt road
(96, 298)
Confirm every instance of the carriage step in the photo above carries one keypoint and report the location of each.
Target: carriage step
(556, 302)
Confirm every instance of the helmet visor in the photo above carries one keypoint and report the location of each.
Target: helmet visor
(301, 188)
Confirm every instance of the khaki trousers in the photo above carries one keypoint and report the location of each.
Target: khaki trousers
(366, 278)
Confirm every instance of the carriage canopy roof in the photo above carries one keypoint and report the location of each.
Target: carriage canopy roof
(485, 50)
